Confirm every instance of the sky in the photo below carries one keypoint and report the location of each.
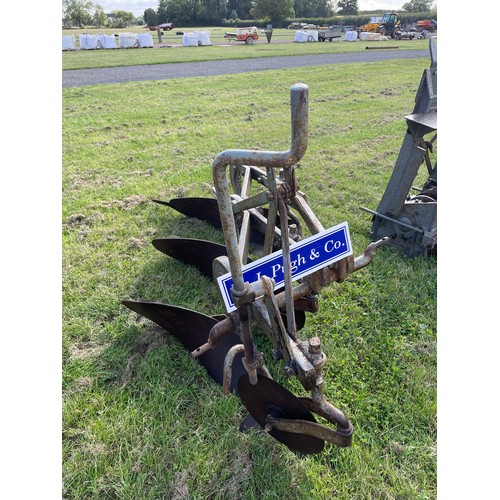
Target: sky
(137, 7)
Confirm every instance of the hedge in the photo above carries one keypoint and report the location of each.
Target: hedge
(405, 17)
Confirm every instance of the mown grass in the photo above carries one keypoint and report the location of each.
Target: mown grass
(141, 419)
(220, 50)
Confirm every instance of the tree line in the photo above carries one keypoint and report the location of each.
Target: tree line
(80, 13)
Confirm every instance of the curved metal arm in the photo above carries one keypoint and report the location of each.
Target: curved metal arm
(273, 159)
(312, 429)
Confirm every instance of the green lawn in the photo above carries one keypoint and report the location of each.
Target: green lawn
(141, 419)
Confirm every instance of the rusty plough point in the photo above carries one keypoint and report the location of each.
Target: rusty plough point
(192, 329)
(205, 209)
(256, 192)
(197, 253)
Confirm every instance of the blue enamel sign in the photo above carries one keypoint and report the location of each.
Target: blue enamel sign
(306, 257)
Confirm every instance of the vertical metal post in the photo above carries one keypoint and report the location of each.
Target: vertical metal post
(273, 159)
(287, 270)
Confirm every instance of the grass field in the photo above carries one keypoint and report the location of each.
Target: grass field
(221, 49)
(141, 419)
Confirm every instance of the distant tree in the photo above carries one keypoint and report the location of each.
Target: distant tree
(348, 7)
(242, 7)
(122, 19)
(418, 5)
(313, 8)
(181, 12)
(212, 11)
(150, 17)
(162, 15)
(274, 10)
(77, 13)
(233, 15)
(163, 11)
(99, 18)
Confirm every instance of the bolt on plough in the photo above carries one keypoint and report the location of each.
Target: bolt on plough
(268, 274)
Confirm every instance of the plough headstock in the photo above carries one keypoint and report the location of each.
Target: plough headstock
(410, 220)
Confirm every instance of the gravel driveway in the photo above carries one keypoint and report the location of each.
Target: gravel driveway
(95, 76)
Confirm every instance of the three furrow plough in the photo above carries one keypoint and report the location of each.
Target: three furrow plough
(269, 274)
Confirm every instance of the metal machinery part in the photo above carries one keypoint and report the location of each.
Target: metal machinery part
(190, 327)
(411, 220)
(268, 400)
(259, 222)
